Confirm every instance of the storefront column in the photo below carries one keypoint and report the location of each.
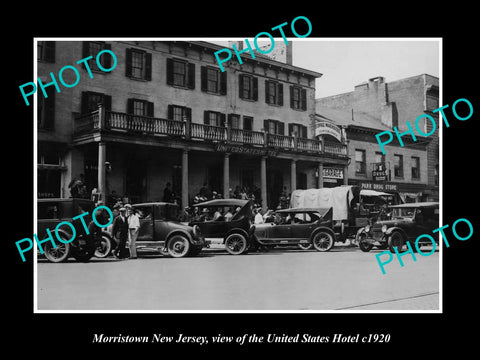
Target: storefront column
(293, 175)
(345, 175)
(263, 182)
(102, 180)
(185, 178)
(226, 175)
(320, 175)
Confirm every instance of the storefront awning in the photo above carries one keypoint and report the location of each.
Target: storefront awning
(365, 192)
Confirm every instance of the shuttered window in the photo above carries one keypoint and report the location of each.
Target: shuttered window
(273, 92)
(213, 81)
(298, 98)
(248, 87)
(180, 73)
(138, 64)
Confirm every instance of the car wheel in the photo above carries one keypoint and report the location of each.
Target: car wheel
(363, 244)
(305, 246)
(104, 248)
(395, 240)
(178, 246)
(235, 244)
(57, 254)
(322, 241)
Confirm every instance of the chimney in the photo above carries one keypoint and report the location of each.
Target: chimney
(238, 44)
(280, 52)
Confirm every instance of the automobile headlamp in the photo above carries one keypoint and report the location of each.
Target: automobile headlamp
(384, 228)
(367, 228)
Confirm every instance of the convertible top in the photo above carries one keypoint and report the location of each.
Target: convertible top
(223, 202)
(321, 211)
(418, 204)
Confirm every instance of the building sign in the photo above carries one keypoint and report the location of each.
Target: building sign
(379, 175)
(378, 186)
(332, 173)
(230, 148)
(326, 128)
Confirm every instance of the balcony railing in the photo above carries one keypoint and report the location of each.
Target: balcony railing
(144, 125)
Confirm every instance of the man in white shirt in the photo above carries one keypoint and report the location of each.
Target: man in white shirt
(258, 217)
(133, 226)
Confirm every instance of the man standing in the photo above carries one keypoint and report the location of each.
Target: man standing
(120, 232)
(133, 226)
(168, 193)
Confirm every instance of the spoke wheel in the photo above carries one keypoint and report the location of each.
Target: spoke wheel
(104, 248)
(363, 244)
(323, 241)
(235, 244)
(178, 246)
(395, 240)
(58, 254)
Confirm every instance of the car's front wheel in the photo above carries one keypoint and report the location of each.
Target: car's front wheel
(395, 240)
(104, 247)
(178, 246)
(322, 241)
(235, 244)
(57, 254)
(363, 244)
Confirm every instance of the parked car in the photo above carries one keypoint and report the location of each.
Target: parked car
(51, 212)
(300, 226)
(160, 229)
(236, 233)
(408, 221)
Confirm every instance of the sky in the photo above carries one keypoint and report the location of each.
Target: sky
(345, 63)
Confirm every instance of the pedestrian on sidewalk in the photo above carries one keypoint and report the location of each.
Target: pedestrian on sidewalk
(120, 232)
(133, 226)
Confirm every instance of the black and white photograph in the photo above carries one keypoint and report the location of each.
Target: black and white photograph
(241, 189)
(200, 182)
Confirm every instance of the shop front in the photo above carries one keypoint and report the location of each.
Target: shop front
(406, 192)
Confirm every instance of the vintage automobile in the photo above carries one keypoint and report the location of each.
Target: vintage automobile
(51, 212)
(236, 233)
(161, 229)
(300, 226)
(408, 221)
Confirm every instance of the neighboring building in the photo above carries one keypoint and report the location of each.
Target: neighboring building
(375, 106)
(168, 114)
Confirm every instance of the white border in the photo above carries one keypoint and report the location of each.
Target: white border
(386, 39)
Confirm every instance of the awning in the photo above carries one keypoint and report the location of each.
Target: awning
(365, 192)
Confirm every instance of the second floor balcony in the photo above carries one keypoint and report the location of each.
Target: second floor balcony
(188, 130)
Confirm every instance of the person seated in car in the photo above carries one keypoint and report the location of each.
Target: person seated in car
(205, 215)
(217, 216)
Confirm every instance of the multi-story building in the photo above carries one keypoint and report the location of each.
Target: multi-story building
(168, 114)
(375, 106)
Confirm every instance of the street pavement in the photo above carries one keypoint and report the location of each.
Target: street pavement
(344, 279)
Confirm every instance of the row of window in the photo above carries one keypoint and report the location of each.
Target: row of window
(398, 171)
(90, 101)
(181, 73)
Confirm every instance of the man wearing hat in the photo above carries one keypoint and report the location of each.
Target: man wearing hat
(133, 226)
(120, 232)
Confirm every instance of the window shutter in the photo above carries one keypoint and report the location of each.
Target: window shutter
(290, 129)
(281, 128)
(255, 89)
(203, 78)
(107, 102)
(149, 108)
(128, 63)
(130, 106)
(223, 83)
(50, 51)
(84, 106)
(266, 127)
(107, 60)
(229, 120)
(222, 119)
(304, 132)
(267, 92)
(170, 112)
(188, 113)
(191, 76)
(241, 79)
(280, 94)
(303, 99)
(291, 97)
(206, 119)
(169, 71)
(148, 66)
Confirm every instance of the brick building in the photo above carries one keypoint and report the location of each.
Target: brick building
(375, 106)
(166, 113)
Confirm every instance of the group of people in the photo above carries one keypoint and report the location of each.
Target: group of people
(125, 226)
